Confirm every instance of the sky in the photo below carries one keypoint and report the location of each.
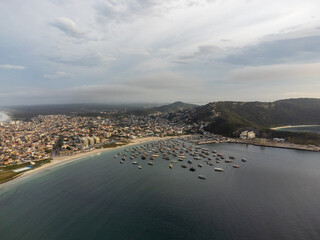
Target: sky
(158, 51)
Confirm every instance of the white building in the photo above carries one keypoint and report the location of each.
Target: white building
(247, 135)
(278, 139)
(85, 141)
(96, 140)
(91, 141)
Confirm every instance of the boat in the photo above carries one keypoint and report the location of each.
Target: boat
(231, 157)
(143, 157)
(189, 161)
(228, 161)
(218, 169)
(192, 169)
(121, 162)
(202, 177)
(150, 163)
(115, 156)
(135, 163)
(139, 167)
(170, 166)
(200, 165)
(243, 159)
(184, 166)
(235, 166)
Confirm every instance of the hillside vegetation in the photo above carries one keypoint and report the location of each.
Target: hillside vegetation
(173, 107)
(264, 115)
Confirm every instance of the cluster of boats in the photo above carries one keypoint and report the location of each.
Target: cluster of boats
(175, 151)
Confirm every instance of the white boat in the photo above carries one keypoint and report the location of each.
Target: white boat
(218, 169)
(243, 159)
(139, 167)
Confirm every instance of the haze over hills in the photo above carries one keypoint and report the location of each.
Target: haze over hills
(223, 117)
(91, 109)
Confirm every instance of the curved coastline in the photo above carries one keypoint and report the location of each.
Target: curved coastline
(59, 161)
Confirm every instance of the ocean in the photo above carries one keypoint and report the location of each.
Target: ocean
(274, 195)
(311, 128)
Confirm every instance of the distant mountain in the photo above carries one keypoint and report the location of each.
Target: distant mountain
(262, 115)
(92, 109)
(81, 109)
(174, 107)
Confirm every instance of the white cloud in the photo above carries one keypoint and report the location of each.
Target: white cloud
(57, 75)
(113, 41)
(13, 67)
(138, 52)
(277, 72)
(69, 27)
(164, 81)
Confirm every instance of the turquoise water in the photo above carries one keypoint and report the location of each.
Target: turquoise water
(312, 129)
(274, 195)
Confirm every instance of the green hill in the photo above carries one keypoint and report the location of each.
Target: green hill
(264, 115)
(174, 107)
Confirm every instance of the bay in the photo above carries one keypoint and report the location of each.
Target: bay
(274, 195)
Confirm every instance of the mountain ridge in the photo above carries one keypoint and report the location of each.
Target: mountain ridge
(264, 115)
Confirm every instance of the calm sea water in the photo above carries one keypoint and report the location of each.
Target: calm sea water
(312, 129)
(275, 195)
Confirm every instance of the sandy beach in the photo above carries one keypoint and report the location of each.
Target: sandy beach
(58, 161)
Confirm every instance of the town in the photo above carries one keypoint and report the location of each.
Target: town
(49, 136)
(46, 136)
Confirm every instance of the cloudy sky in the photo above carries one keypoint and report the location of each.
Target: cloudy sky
(117, 51)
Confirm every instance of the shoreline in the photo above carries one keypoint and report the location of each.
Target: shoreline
(60, 161)
(294, 126)
(290, 146)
